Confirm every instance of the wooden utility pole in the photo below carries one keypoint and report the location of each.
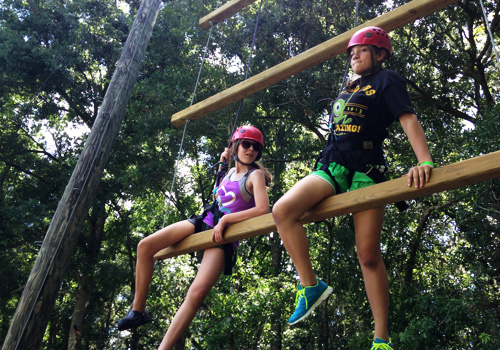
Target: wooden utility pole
(39, 296)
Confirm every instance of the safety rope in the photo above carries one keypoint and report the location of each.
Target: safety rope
(491, 34)
(330, 120)
(187, 121)
(221, 173)
(248, 63)
(348, 58)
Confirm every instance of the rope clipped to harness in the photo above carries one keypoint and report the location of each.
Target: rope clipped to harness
(330, 120)
(187, 122)
(224, 166)
(222, 172)
(376, 172)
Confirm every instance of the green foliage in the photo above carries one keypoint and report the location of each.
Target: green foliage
(442, 254)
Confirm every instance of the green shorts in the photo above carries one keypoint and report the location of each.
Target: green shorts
(341, 175)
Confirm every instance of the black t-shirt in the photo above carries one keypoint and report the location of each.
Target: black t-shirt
(361, 115)
(369, 107)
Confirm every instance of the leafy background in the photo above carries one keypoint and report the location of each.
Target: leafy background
(443, 254)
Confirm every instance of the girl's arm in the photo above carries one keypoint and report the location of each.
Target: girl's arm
(256, 184)
(419, 174)
(224, 158)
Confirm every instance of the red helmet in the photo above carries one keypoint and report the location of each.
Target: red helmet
(248, 132)
(371, 36)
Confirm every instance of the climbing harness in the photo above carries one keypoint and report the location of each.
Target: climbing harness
(188, 121)
(224, 168)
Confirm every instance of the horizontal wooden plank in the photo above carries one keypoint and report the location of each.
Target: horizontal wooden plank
(223, 12)
(394, 19)
(448, 177)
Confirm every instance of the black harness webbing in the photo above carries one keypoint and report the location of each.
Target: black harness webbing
(335, 151)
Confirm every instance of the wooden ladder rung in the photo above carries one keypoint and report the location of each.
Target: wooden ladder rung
(223, 12)
(389, 21)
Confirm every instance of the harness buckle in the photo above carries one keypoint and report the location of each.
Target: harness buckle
(367, 144)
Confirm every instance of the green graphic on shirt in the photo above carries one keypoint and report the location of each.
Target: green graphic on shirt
(338, 112)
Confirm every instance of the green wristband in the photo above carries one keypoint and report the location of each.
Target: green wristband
(427, 163)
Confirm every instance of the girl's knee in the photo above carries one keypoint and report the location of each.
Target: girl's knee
(280, 212)
(198, 292)
(277, 211)
(144, 248)
(369, 258)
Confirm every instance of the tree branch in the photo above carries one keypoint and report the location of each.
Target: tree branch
(439, 105)
(25, 171)
(410, 265)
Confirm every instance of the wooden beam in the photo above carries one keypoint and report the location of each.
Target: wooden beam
(223, 12)
(449, 177)
(318, 54)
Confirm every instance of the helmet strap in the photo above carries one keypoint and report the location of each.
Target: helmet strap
(236, 159)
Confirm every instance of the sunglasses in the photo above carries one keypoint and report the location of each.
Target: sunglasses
(257, 147)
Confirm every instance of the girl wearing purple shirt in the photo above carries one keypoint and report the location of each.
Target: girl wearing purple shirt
(241, 195)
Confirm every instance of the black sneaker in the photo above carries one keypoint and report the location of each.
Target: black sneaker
(134, 319)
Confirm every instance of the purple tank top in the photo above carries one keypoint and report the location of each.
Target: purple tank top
(233, 196)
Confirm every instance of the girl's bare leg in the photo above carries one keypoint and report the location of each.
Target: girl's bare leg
(146, 249)
(287, 212)
(210, 269)
(368, 225)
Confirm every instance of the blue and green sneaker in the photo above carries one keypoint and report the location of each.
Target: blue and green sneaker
(307, 299)
(380, 344)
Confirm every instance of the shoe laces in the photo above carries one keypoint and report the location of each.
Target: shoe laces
(381, 346)
(301, 293)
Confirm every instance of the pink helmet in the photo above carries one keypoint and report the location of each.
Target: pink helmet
(248, 132)
(371, 36)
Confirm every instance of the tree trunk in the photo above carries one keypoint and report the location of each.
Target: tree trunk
(78, 317)
(96, 223)
(276, 325)
(415, 243)
(37, 301)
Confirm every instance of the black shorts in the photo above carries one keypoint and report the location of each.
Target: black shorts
(229, 252)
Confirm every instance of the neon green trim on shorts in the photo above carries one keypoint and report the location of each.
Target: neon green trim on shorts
(341, 175)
